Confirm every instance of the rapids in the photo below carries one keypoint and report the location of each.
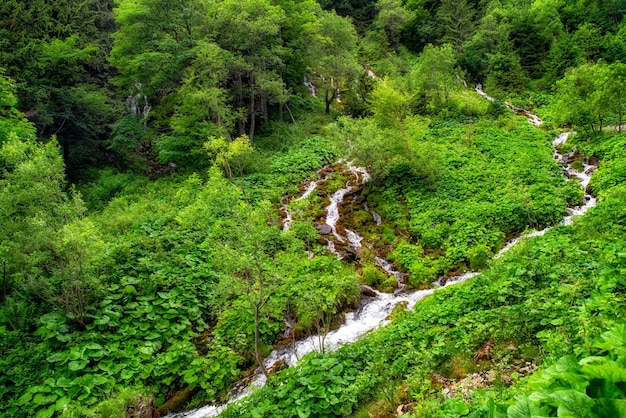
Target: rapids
(373, 312)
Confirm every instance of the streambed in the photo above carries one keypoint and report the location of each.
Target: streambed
(374, 311)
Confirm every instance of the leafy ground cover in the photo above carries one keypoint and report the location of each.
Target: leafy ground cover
(170, 309)
(459, 190)
(552, 296)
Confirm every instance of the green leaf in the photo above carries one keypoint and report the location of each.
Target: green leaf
(77, 365)
(102, 320)
(127, 374)
(93, 346)
(46, 413)
(99, 379)
(42, 399)
(520, 409)
(61, 403)
(25, 398)
(61, 356)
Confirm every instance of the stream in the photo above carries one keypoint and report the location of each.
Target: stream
(374, 310)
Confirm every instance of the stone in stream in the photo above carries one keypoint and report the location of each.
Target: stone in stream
(367, 291)
(325, 229)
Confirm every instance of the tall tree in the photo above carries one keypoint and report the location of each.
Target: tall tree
(250, 31)
(434, 75)
(580, 98)
(392, 19)
(335, 65)
(456, 19)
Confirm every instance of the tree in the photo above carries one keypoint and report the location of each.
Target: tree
(362, 12)
(242, 251)
(434, 74)
(250, 31)
(392, 19)
(155, 42)
(46, 248)
(12, 121)
(335, 64)
(589, 93)
(456, 18)
(611, 91)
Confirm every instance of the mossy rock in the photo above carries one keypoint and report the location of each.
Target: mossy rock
(372, 276)
(360, 218)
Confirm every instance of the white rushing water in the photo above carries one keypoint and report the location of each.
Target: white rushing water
(332, 211)
(354, 239)
(534, 119)
(374, 311)
(288, 217)
(308, 84)
(388, 267)
(377, 218)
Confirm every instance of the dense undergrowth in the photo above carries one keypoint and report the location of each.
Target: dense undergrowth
(174, 309)
(552, 296)
(465, 189)
(168, 312)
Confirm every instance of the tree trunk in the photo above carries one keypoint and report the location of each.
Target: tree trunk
(266, 116)
(66, 151)
(293, 120)
(4, 281)
(257, 345)
(600, 123)
(240, 121)
(330, 99)
(252, 118)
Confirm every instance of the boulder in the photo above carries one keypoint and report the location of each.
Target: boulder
(325, 229)
(367, 291)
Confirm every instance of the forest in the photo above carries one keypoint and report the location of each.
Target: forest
(300, 208)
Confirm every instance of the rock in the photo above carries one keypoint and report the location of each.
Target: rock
(175, 403)
(325, 229)
(570, 157)
(590, 169)
(367, 291)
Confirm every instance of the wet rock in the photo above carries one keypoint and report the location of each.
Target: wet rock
(367, 291)
(570, 157)
(325, 229)
(175, 403)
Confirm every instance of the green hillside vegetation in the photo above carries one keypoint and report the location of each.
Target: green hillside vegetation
(149, 151)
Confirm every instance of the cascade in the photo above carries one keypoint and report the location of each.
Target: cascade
(288, 217)
(374, 311)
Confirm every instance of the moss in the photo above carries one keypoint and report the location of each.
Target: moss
(372, 276)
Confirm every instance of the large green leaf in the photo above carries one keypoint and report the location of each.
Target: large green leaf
(77, 365)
